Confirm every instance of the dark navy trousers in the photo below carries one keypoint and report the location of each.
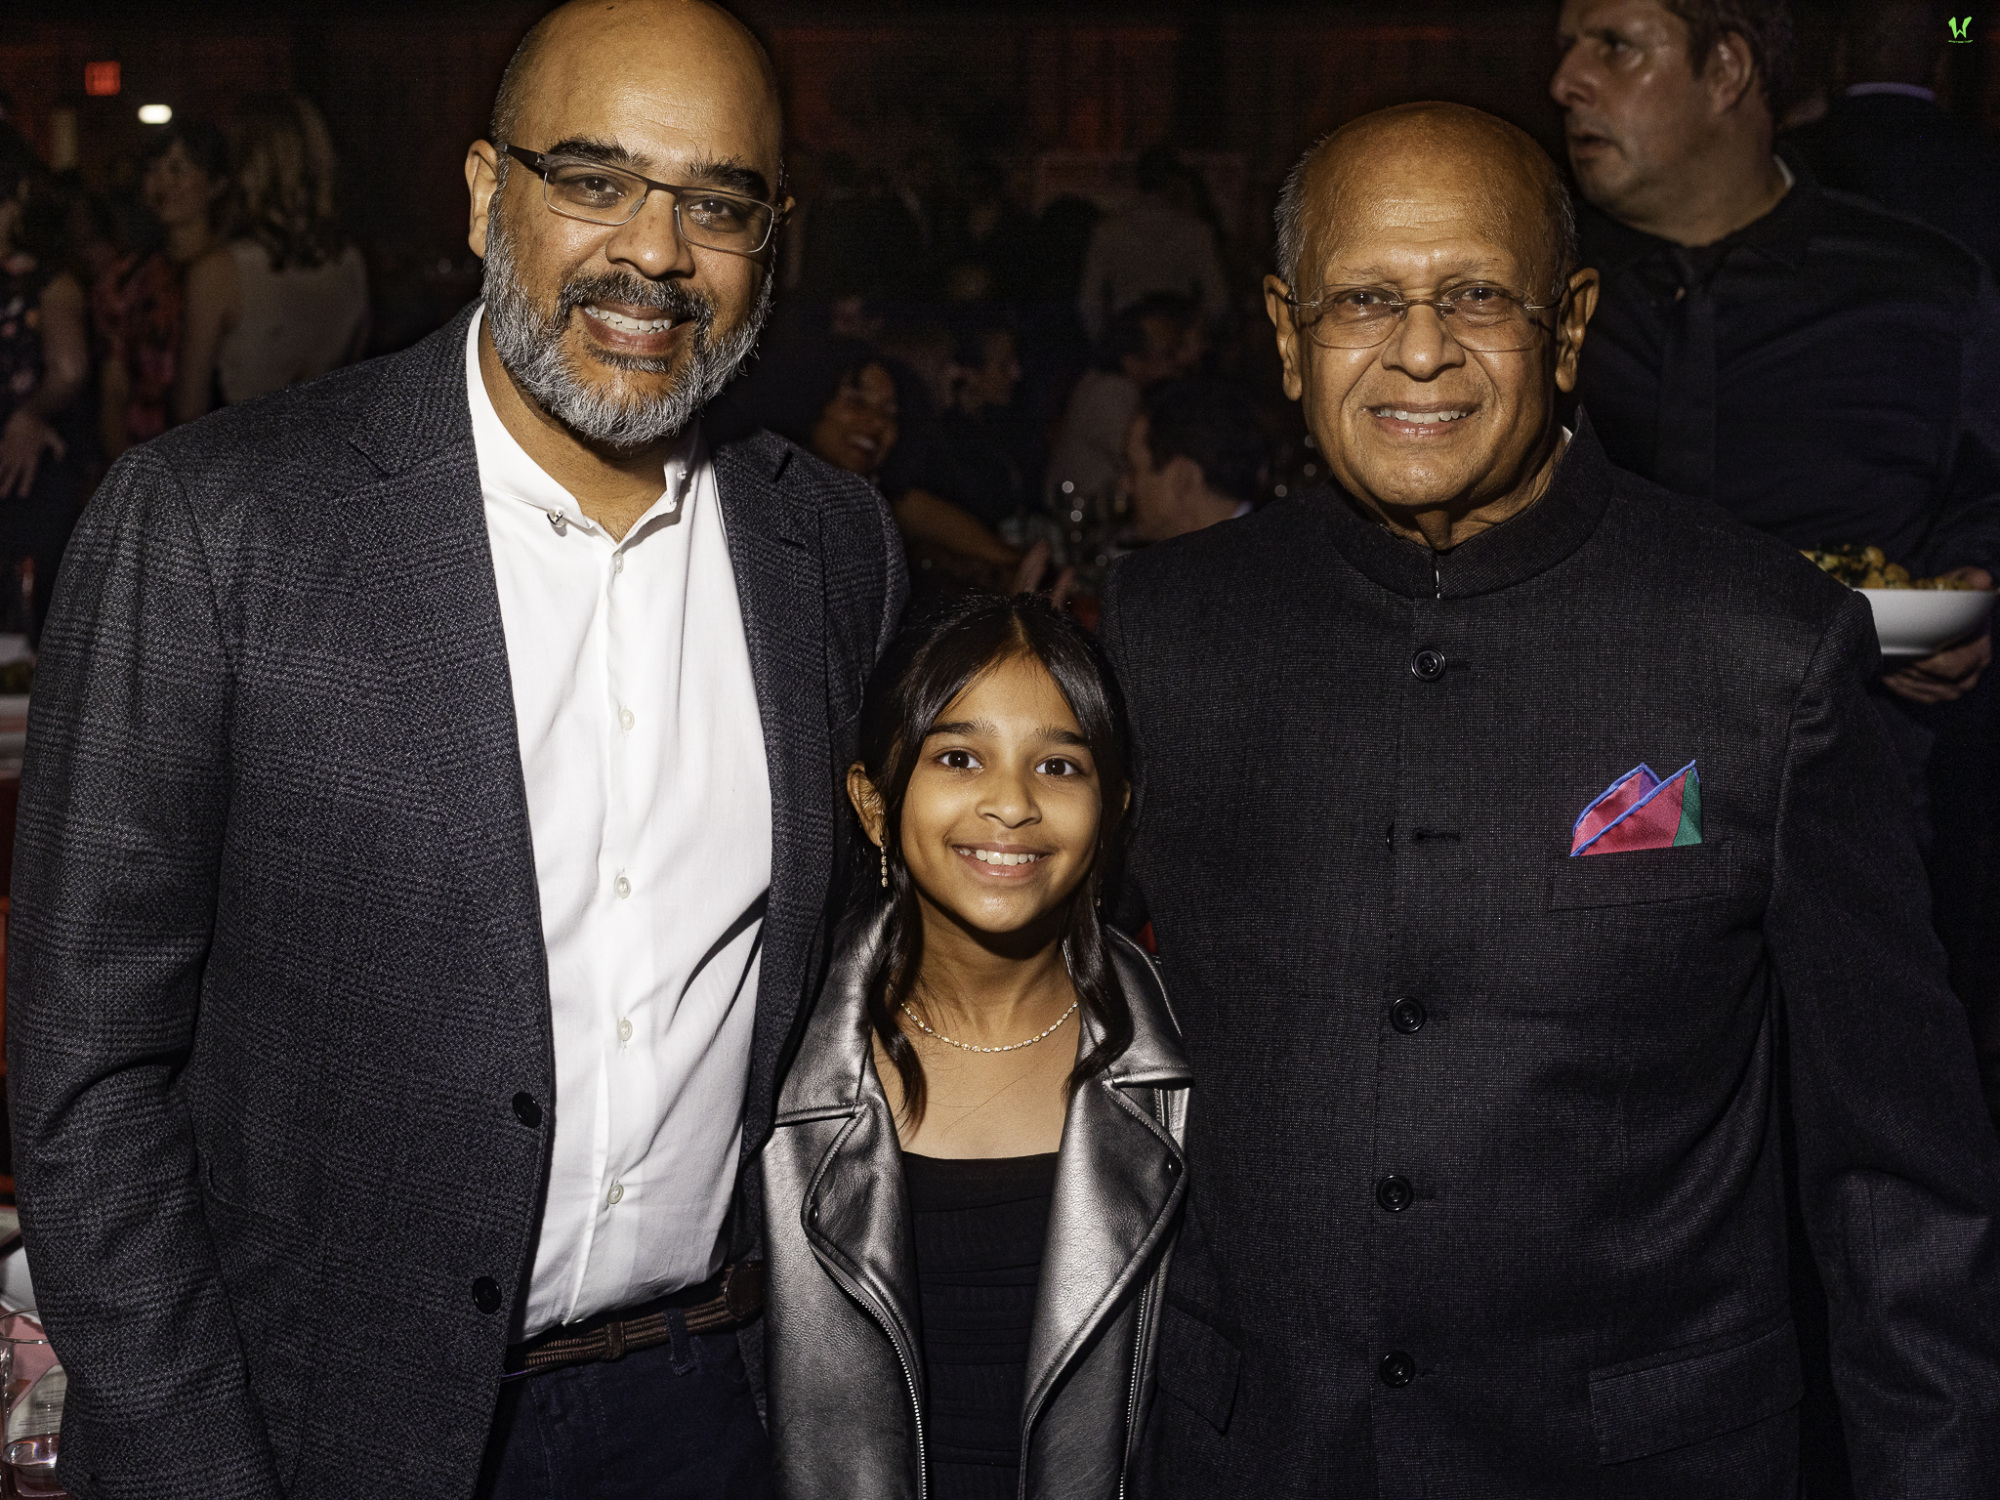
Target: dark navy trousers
(675, 1422)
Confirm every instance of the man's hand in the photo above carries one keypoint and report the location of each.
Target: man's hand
(1952, 672)
(21, 446)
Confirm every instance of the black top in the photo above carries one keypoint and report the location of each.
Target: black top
(980, 1225)
(1825, 374)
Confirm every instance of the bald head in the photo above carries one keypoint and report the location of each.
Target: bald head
(562, 49)
(1464, 158)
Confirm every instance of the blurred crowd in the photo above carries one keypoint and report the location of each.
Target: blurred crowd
(228, 277)
(1035, 389)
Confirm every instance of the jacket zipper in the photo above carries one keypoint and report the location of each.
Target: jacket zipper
(909, 1375)
(1132, 1399)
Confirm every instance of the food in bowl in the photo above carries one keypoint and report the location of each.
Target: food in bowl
(1870, 568)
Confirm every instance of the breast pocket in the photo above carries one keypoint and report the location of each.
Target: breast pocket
(1693, 872)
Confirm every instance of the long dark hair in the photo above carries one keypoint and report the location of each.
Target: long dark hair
(925, 668)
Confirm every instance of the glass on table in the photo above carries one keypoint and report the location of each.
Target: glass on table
(34, 1386)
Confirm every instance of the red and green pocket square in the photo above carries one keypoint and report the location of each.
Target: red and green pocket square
(1640, 811)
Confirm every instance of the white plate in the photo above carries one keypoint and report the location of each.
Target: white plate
(1917, 622)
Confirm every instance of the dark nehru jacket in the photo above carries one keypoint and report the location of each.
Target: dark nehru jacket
(1486, 1186)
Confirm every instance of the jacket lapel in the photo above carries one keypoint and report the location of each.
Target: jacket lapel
(425, 572)
(856, 1207)
(1119, 1183)
(775, 547)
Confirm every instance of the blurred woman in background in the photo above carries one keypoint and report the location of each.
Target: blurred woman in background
(44, 366)
(138, 303)
(286, 299)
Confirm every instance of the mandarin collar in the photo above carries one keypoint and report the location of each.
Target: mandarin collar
(1782, 235)
(1512, 552)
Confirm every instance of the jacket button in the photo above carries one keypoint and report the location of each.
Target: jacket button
(527, 1111)
(1394, 1194)
(1397, 1369)
(1408, 1016)
(1428, 664)
(486, 1294)
(1171, 1166)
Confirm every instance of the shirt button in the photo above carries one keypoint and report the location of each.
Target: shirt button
(486, 1294)
(625, 1031)
(1394, 1194)
(622, 886)
(1397, 1369)
(618, 562)
(527, 1111)
(625, 720)
(1408, 1016)
(1427, 664)
(617, 1192)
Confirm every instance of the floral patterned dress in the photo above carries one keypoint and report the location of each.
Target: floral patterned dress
(137, 309)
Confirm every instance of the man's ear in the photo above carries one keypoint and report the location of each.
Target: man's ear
(1571, 321)
(482, 180)
(867, 802)
(1280, 313)
(1731, 74)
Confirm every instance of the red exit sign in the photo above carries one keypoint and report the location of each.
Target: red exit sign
(100, 79)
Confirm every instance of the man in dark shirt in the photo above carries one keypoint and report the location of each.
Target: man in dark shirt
(1822, 369)
(1887, 138)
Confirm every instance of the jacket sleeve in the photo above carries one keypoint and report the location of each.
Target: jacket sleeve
(123, 813)
(1899, 1167)
(1128, 906)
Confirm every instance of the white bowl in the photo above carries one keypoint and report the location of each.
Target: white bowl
(1916, 622)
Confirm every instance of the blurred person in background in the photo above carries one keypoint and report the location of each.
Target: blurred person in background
(44, 367)
(286, 299)
(1886, 137)
(1156, 338)
(1193, 456)
(138, 304)
(979, 453)
(1822, 369)
(843, 401)
(985, 244)
(1161, 243)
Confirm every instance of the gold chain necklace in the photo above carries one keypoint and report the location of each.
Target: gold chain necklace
(968, 1047)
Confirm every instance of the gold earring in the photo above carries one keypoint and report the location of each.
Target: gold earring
(885, 867)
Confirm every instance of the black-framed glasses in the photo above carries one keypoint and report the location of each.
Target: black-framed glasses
(597, 194)
(1479, 316)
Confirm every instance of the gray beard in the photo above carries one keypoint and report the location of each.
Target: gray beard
(530, 347)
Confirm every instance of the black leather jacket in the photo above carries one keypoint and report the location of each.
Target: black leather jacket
(845, 1359)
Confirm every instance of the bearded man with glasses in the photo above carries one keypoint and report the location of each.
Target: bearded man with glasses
(429, 827)
(1485, 1196)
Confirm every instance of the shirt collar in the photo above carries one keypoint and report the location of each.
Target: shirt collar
(1512, 552)
(506, 470)
(1907, 90)
(1781, 235)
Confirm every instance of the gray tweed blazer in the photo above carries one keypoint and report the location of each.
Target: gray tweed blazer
(277, 978)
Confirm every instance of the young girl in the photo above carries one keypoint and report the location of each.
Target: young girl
(976, 1168)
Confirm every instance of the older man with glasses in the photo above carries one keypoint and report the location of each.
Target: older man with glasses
(1486, 1194)
(428, 826)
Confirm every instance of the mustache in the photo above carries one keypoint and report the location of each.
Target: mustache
(669, 297)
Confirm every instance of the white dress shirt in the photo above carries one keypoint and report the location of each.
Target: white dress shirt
(650, 807)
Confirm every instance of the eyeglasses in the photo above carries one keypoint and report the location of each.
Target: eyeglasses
(1484, 319)
(598, 194)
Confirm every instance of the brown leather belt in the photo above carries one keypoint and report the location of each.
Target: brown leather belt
(728, 1299)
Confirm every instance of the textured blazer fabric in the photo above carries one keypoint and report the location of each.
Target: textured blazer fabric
(277, 973)
(1486, 1195)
